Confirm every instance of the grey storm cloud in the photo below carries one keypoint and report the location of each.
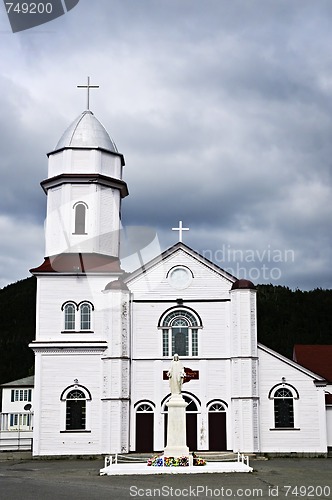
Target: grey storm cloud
(222, 109)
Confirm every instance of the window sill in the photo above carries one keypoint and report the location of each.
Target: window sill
(74, 431)
(285, 429)
(77, 331)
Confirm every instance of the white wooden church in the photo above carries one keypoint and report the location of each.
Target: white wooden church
(105, 338)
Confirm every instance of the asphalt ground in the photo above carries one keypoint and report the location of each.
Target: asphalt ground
(278, 478)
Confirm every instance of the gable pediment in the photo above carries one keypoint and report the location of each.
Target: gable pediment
(181, 272)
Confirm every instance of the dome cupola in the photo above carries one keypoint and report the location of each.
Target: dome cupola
(243, 284)
(86, 132)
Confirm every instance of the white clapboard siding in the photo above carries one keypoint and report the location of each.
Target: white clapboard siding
(216, 383)
(107, 222)
(72, 161)
(82, 160)
(243, 323)
(109, 165)
(144, 377)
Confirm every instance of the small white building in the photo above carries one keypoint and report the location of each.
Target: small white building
(105, 338)
(16, 417)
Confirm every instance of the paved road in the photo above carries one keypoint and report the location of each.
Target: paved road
(78, 479)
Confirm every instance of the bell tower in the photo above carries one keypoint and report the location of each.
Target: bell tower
(84, 191)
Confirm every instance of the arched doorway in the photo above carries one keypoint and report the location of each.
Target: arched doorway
(217, 426)
(144, 428)
(191, 422)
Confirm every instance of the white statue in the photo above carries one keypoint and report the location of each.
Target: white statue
(176, 375)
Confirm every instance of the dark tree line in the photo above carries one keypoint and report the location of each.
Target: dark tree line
(17, 329)
(285, 317)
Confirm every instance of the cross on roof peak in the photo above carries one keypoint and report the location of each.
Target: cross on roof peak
(88, 87)
(180, 229)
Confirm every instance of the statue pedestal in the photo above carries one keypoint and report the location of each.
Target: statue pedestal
(176, 428)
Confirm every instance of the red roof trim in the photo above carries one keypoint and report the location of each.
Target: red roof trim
(79, 263)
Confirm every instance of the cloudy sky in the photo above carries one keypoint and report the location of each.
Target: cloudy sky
(222, 109)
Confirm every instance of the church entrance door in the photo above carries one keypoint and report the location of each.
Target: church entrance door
(217, 428)
(144, 428)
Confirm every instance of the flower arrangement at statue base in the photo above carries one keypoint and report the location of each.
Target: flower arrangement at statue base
(198, 460)
(161, 461)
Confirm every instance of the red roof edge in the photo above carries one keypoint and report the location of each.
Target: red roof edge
(79, 263)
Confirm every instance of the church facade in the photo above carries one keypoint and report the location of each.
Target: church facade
(105, 338)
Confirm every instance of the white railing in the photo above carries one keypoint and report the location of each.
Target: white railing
(16, 431)
(16, 421)
(109, 460)
(242, 458)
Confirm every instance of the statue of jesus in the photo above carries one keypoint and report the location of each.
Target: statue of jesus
(176, 374)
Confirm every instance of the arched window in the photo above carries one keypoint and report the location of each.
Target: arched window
(80, 218)
(77, 317)
(144, 407)
(85, 316)
(180, 333)
(283, 407)
(69, 316)
(217, 407)
(75, 410)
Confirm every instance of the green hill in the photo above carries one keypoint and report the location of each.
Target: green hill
(285, 317)
(18, 312)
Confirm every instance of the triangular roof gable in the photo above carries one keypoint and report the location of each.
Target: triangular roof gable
(289, 362)
(170, 252)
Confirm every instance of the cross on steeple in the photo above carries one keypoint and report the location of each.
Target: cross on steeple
(88, 87)
(180, 229)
